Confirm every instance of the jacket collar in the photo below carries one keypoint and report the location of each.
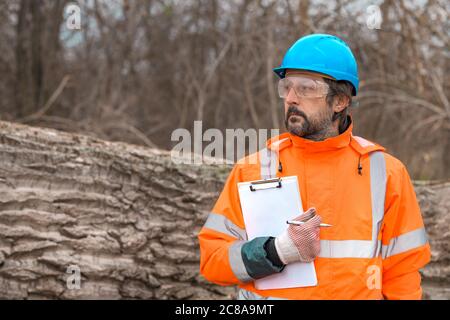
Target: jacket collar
(288, 139)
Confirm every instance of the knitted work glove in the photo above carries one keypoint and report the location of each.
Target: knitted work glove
(300, 242)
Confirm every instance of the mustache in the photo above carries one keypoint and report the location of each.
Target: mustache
(294, 111)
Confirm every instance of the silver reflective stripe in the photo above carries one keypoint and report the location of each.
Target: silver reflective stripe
(249, 295)
(222, 224)
(347, 248)
(236, 262)
(405, 242)
(268, 159)
(378, 194)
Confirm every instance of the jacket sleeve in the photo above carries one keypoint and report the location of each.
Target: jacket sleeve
(405, 248)
(226, 257)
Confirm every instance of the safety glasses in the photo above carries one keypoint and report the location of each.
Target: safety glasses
(303, 87)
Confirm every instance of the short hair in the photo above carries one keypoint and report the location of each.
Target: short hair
(336, 89)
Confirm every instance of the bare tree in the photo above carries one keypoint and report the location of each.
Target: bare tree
(139, 69)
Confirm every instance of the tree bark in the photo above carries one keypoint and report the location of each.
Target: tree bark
(126, 216)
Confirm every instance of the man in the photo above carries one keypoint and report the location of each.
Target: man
(377, 243)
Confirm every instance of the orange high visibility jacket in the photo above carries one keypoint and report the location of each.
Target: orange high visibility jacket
(377, 243)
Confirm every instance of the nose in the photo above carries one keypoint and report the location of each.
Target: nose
(291, 97)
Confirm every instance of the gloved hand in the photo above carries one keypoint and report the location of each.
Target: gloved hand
(300, 242)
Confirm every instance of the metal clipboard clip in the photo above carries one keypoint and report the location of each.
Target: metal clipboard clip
(265, 184)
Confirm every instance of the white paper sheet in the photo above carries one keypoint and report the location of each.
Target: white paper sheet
(265, 214)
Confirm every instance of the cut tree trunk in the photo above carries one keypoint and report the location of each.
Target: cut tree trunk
(127, 218)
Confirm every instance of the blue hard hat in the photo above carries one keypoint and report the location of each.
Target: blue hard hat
(322, 53)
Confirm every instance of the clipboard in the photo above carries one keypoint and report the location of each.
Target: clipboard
(266, 206)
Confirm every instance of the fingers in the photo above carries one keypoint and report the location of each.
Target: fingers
(314, 222)
(317, 234)
(311, 212)
(315, 245)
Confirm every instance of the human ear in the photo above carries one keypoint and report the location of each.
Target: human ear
(340, 103)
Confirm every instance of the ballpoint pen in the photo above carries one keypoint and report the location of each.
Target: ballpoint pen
(298, 223)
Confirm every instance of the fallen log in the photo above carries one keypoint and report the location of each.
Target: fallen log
(126, 218)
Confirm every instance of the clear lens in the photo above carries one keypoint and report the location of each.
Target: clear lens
(303, 87)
